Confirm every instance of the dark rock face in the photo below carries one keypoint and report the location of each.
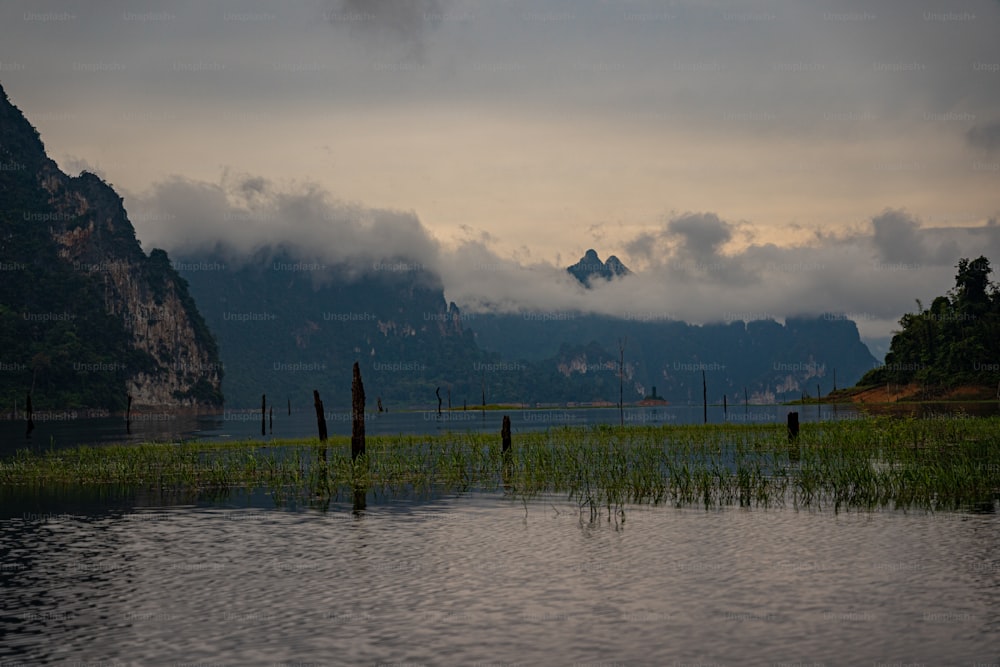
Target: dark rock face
(131, 326)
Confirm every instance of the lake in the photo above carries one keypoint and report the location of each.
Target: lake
(68, 428)
(480, 579)
(102, 575)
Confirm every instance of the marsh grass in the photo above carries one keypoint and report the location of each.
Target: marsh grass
(868, 463)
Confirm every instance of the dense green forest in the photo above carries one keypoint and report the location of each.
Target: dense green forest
(956, 341)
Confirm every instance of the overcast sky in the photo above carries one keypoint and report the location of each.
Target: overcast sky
(755, 157)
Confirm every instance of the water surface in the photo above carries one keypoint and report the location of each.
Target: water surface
(65, 429)
(481, 579)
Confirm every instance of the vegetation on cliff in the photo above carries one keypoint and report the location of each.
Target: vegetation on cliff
(86, 318)
(954, 342)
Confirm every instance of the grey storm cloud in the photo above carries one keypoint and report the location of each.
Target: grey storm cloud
(897, 237)
(692, 235)
(985, 136)
(701, 233)
(690, 245)
(247, 213)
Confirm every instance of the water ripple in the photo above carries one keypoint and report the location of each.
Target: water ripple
(481, 579)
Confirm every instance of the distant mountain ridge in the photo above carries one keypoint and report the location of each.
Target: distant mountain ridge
(591, 267)
(287, 325)
(770, 361)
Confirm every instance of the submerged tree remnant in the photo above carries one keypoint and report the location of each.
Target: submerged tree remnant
(793, 426)
(30, 415)
(505, 436)
(320, 417)
(357, 414)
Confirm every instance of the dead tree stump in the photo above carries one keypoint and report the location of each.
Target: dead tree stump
(505, 436)
(31, 417)
(793, 426)
(704, 399)
(357, 414)
(320, 417)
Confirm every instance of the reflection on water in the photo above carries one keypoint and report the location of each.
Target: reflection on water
(481, 579)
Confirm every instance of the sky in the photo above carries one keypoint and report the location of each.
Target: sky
(746, 159)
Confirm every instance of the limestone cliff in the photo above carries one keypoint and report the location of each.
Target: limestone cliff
(168, 358)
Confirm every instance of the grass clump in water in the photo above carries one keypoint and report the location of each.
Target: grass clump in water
(866, 463)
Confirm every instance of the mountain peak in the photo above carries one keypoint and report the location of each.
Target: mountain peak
(591, 266)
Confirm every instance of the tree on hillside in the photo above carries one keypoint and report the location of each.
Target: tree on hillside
(956, 341)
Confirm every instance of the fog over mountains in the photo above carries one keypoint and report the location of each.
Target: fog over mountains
(697, 267)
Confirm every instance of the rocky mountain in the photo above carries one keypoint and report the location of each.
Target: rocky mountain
(771, 361)
(86, 317)
(288, 324)
(590, 267)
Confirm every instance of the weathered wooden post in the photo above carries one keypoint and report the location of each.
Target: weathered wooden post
(704, 398)
(357, 414)
(621, 381)
(30, 415)
(320, 417)
(263, 414)
(725, 407)
(746, 401)
(793, 426)
(380, 408)
(437, 392)
(505, 436)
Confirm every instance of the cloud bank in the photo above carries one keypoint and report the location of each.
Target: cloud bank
(692, 266)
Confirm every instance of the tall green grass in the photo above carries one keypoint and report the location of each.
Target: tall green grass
(869, 463)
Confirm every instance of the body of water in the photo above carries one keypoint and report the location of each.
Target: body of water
(479, 579)
(67, 428)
